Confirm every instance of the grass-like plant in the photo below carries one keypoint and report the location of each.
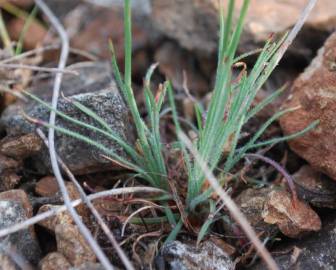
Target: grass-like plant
(218, 127)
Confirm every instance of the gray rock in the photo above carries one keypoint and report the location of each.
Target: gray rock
(180, 256)
(89, 266)
(315, 252)
(23, 242)
(94, 88)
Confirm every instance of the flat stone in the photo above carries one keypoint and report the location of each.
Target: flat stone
(93, 88)
(180, 256)
(314, 96)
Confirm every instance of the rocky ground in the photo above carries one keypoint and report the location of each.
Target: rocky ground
(182, 37)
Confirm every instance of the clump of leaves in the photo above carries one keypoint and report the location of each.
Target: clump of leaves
(230, 108)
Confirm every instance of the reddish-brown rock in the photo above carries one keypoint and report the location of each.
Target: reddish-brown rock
(293, 219)
(101, 25)
(47, 186)
(36, 31)
(314, 93)
(20, 147)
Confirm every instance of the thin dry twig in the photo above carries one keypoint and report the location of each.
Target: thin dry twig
(150, 234)
(28, 53)
(295, 30)
(230, 204)
(38, 50)
(62, 208)
(51, 136)
(101, 222)
(132, 215)
(36, 68)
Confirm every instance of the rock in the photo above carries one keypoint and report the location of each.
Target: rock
(74, 194)
(314, 93)
(98, 25)
(90, 266)
(228, 249)
(62, 7)
(317, 251)
(64, 217)
(8, 168)
(54, 261)
(20, 196)
(23, 241)
(194, 23)
(61, 218)
(6, 263)
(21, 147)
(315, 188)
(269, 210)
(173, 61)
(72, 245)
(37, 32)
(47, 186)
(94, 88)
(293, 219)
(91, 24)
(251, 202)
(180, 256)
